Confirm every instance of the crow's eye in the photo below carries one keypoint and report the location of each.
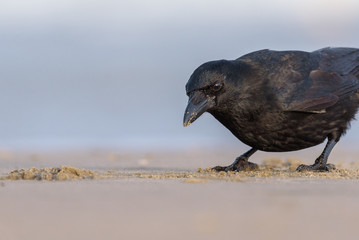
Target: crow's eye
(216, 87)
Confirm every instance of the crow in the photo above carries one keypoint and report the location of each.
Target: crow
(278, 101)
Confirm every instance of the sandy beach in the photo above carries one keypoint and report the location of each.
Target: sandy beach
(93, 100)
(163, 196)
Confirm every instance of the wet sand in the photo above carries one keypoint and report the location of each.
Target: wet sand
(165, 196)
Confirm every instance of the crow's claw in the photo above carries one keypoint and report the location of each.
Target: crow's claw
(316, 167)
(242, 165)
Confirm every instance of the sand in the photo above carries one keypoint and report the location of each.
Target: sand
(269, 168)
(112, 195)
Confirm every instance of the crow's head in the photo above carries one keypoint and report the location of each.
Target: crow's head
(206, 88)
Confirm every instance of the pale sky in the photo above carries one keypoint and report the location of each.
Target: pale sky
(82, 71)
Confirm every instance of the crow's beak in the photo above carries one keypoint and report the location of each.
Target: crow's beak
(197, 105)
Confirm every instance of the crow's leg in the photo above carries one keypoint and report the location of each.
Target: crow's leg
(320, 163)
(240, 164)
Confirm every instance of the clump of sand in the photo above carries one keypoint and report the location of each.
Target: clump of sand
(49, 174)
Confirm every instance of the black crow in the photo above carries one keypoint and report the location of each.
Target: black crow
(278, 101)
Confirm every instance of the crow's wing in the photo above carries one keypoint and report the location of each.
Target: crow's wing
(344, 61)
(326, 89)
(337, 76)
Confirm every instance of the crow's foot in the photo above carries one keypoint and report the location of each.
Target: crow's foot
(238, 165)
(316, 167)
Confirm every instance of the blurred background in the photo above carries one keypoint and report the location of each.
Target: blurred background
(111, 74)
